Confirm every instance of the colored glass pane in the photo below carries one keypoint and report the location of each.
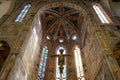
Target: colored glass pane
(22, 13)
(100, 14)
(42, 66)
(79, 66)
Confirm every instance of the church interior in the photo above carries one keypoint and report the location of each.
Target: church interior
(59, 39)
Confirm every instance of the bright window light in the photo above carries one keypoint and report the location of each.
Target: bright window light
(22, 13)
(79, 66)
(58, 77)
(42, 66)
(100, 14)
(48, 37)
(74, 37)
(61, 40)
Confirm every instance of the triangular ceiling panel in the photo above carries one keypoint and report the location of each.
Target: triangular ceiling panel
(61, 20)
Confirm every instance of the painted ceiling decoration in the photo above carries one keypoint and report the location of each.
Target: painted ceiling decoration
(61, 22)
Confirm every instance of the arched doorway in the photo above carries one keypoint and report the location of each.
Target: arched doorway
(4, 52)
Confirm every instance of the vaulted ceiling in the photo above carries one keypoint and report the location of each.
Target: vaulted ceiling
(61, 22)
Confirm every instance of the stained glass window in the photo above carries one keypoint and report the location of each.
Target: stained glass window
(42, 66)
(22, 13)
(100, 14)
(79, 66)
(58, 75)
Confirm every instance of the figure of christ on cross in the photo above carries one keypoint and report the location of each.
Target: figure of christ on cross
(61, 60)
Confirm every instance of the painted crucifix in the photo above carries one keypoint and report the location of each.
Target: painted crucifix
(61, 60)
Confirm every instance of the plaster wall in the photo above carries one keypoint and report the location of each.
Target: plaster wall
(4, 7)
(116, 8)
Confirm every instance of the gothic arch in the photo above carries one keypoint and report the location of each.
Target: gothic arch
(59, 47)
(44, 6)
(82, 10)
(54, 4)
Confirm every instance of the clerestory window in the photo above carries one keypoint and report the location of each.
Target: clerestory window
(22, 13)
(101, 14)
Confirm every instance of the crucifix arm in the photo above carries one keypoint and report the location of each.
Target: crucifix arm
(54, 55)
(67, 55)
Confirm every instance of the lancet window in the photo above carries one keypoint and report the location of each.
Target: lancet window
(79, 65)
(42, 66)
(22, 13)
(101, 14)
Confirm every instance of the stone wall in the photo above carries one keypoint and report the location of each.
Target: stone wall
(26, 64)
(92, 52)
(96, 43)
(104, 72)
(4, 7)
